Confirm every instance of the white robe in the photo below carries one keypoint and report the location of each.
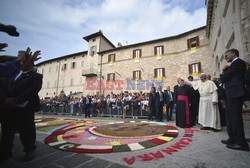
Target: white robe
(209, 115)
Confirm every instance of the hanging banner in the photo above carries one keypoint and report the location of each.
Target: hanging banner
(195, 74)
(193, 48)
(110, 63)
(137, 59)
(159, 78)
(158, 56)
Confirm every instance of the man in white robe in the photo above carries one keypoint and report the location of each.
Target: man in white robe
(209, 116)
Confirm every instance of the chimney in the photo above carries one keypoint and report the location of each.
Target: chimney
(119, 45)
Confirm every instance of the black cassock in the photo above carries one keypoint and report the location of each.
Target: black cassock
(182, 101)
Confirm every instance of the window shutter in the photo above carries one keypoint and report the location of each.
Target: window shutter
(188, 44)
(114, 76)
(108, 78)
(190, 68)
(139, 74)
(155, 73)
(140, 52)
(197, 41)
(109, 58)
(133, 74)
(163, 72)
(155, 50)
(199, 67)
(133, 54)
(162, 49)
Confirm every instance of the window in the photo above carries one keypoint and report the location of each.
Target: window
(111, 77)
(73, 65)
(136, 75)
(159, 50)
(71, 82)
(193, 43)
(194, 69)
(137, 53)
(64, 67)
(92, 50)
(111, 58)
(93, 40)
(159, 73)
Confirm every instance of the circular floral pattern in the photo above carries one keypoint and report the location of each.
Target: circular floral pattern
(113, 137)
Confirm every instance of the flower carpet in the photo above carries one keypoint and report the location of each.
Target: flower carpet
(92, 136)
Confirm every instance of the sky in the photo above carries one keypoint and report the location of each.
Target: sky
(57, 27)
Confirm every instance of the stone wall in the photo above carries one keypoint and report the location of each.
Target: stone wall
(53, 72)
(230, 28)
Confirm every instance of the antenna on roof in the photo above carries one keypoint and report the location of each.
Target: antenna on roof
(100, 31)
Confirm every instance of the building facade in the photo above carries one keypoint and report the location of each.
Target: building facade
(105, 68)
(63, 74)
(228, 26)
(162, 61)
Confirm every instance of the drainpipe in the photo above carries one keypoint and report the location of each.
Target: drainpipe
(58, 74)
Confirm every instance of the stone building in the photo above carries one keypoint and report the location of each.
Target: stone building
(134, 67)
(62, 74)
(162, 60)
(228, 26)
(68, 73)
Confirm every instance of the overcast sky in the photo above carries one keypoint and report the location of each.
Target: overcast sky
(56, 27)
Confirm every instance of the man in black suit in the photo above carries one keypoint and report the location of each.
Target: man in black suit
(169, 101)
(21, 102)
(233, 78)
(159, 100)
(151, 104)
(87, 103)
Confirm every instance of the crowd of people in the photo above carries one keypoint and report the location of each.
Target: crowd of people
(123, 105)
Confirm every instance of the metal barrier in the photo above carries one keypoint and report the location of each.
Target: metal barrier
(125, 111)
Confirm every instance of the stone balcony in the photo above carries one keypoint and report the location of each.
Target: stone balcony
(92, 72)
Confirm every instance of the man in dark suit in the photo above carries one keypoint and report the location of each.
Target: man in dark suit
(87, 103)
(159, 100)
(233, 78)
(169, 101)
(21, 102)
(151, 104)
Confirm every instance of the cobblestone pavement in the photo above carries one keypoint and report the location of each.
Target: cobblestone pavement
(195, 148)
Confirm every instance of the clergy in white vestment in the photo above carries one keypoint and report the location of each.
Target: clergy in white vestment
(209, 115)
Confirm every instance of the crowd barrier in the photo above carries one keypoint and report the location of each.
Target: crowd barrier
(124, 111)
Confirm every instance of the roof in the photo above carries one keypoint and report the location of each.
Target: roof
(210, 8)
(99, 33)
(153, 41)
(62, 57)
